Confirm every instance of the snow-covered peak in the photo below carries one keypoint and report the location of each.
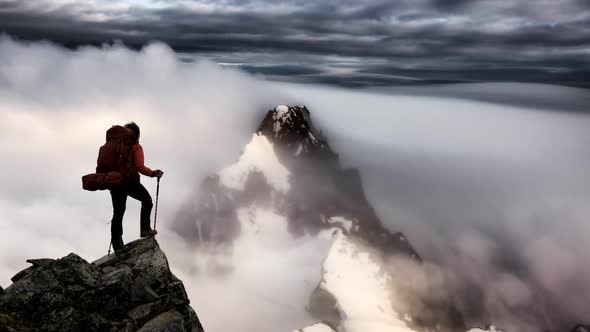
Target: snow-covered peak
(287, 115)
(258, 156)
(291, 127)
(281, 111)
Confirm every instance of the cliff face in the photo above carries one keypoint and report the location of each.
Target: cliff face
(133, 292)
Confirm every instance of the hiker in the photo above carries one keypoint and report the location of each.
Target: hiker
(132, 187)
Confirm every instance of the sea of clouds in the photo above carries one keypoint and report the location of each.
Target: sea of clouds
(493, 194)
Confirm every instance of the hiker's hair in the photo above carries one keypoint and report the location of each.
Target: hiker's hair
(133, 126)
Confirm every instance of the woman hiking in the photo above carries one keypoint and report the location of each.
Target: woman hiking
(132, 187)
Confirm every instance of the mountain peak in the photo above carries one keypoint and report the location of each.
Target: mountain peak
(288, 164)
(287, 122)
(133, 292)
(291, 128)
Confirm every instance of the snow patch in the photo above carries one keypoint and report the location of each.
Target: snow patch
(280, 116)
(288, 266)
(312, 137)
(299, 150)
(281, 110)
(317, 328)
(258, 156)
(357, 283)
(491, 329)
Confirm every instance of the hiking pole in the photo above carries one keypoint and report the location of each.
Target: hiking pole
(110, 243)
(157, 196)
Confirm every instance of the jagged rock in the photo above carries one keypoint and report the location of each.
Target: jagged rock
(112, 294)
(323, 306)
(170, 321)
(291, 127)
(40, 261)
(142, 311)
(141, 292)
(22, 274)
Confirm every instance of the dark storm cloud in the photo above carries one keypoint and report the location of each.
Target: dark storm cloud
(450, 4)
(460, 38)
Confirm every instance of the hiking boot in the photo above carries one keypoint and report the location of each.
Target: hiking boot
(148, 233)
(118, 245)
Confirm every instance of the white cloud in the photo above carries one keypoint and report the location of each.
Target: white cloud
(458, 177)
(495, 194)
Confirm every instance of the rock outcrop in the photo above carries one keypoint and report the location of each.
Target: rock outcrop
(133, 292)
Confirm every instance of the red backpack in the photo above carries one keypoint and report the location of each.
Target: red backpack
(115, 163)
(116, 155)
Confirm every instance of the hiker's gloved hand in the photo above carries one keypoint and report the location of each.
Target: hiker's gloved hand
(157, 174)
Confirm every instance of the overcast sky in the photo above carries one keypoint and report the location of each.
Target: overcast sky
(343, 42)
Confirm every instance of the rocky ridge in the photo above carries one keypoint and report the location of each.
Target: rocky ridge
(133, 292)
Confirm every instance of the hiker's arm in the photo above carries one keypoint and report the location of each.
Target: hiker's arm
(139, 161)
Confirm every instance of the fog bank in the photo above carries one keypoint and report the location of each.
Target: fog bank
(494, 194)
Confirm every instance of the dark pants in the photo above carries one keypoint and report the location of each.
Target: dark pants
(119, 197)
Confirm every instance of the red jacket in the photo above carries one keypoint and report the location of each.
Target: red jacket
(139, 161)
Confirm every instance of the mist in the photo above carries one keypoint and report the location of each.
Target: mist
(494, 195)
(55, 107)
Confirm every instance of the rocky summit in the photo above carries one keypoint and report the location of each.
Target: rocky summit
(135, 291)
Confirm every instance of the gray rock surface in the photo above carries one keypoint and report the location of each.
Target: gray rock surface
(135, 291)
(170, 321)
